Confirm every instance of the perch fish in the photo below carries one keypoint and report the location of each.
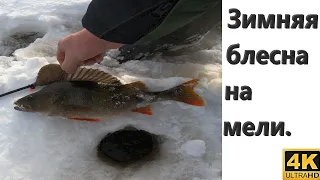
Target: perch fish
(93, 95)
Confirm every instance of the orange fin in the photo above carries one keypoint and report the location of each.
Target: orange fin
(143, 110)
(192, 83)
(185, 93)
(84, 119)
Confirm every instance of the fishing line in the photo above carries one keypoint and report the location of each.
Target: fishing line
(32, 86)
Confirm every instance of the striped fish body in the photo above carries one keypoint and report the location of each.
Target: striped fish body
(89, 100)
(80, 96)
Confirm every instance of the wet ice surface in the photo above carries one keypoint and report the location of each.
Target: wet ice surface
(194, 148)
(36, 147)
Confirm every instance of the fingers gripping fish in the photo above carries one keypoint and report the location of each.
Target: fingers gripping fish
(92, 95)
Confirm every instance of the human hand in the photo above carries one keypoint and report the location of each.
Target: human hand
(82, 48)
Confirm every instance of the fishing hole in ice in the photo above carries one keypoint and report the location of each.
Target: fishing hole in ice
(18, 40)
(128, 145)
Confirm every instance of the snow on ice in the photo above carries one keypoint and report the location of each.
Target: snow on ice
(36, 147)
(194, 148)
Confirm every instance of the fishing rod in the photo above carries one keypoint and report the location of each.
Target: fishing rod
(51, 73)
(42, 79)
(31, 86)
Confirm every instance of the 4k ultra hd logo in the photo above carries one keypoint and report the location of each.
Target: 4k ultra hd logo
(301, 164)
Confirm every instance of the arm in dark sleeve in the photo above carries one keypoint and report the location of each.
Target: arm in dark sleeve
(124, 21)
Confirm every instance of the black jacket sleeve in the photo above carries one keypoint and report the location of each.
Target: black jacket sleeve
(123, 21)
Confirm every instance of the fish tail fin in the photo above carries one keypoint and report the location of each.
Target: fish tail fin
(185, 93)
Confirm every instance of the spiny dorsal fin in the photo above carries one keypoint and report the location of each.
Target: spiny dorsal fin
(53, 73)
(95, 75)
(49, 74)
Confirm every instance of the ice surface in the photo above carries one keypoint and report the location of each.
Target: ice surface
(36, 147)
(194, 148)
